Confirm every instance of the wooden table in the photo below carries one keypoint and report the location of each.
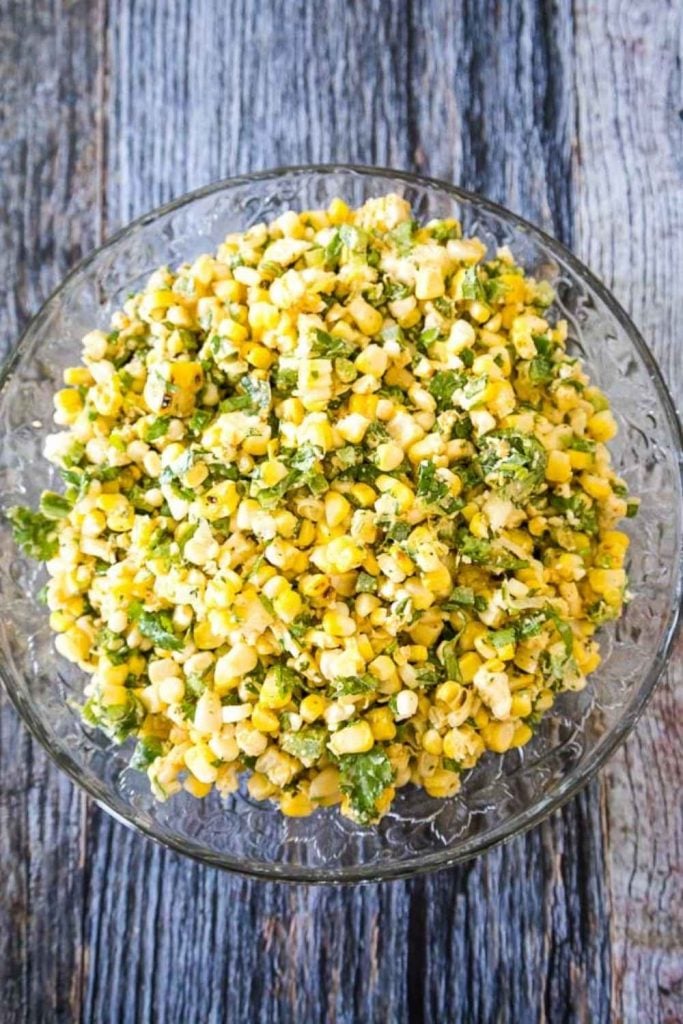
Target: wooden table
(571, 114)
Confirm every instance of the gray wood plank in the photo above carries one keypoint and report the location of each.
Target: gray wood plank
(629, 216)
(499, 98)
(48, 191)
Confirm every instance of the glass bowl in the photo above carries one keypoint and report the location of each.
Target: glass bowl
(503, 795)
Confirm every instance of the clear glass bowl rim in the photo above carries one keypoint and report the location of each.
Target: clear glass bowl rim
(575, 780)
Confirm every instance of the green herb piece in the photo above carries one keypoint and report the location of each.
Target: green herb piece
(156, 626)
(471, 287)
(35, 534)
(443, 386)
(461, 597)
(579, 512)
(541, 370)
(365, 583)
(118, 721)
(511, 463)
(54, 506)
(364, 777)
(433, 490)
(349, 686)
(502, 637)
(146, 752)
(482, 552)
(308, 744)
(158, 428)
(329, 346)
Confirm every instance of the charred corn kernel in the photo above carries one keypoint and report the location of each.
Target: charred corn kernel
(602, 426)
(559, 467)
(353, 739)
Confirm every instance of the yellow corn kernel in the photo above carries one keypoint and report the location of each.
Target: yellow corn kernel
(259, 356)
(498, 736)
(292, 411)
(296, 805)
(382, 723)
(337, 508)
(78, 376)
(275, 692)
(364, 495)
(596, 486)
(343, 555)
(264, 720)
(353, 739)
(368, 319)
(312, 707)
(432, 742)
(366, 405)
(521, 705)
(470, 664)
(602, 426)
(338, 212)
(288, 605)
(260, 787)
(336, 624)
(580, 460)
(438, 581)
(205, 635)
(196, 788)
(263, 316)
(325, 785)
(544, 701)
(479, 526)
(353, 427)
(68, 403)
(199, 759)
(442, 784)
(429, 283)
(521, 735)
(559, 467)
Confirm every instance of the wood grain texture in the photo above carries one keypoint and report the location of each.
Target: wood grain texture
(629, 228)
(110, 109)
(48, 191)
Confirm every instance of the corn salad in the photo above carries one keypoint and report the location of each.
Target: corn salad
(339, 513)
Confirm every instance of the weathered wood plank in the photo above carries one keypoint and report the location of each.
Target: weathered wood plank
(484, 94)
(629, 206)
(48, 68)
